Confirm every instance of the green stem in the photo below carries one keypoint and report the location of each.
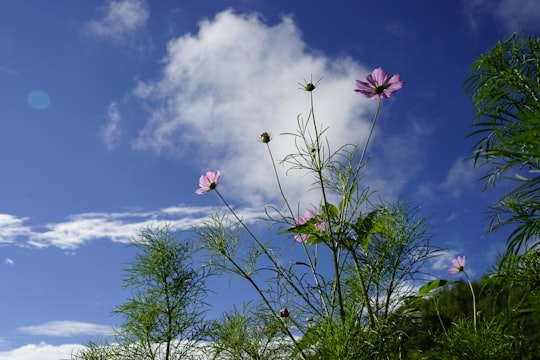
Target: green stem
(312, 266)
(267, 303)
(266, 252)
(473, 297)
(360, 163)
(250, 279)
(363, 288)
(436, 303)
(278, 181)
(334, 248)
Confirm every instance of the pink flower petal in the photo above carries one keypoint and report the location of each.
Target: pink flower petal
(208, 182)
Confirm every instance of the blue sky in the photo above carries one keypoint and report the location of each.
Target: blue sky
(111, 110)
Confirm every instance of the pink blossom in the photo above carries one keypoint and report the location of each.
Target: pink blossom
(208, 182)
(458, 265)
(300, 220)
(378, 85)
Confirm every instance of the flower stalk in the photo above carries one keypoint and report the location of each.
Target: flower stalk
(458, 266)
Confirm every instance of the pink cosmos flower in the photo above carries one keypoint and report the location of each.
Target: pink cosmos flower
(208, 182)
(458, 265)
(378, 85)
(300, 220)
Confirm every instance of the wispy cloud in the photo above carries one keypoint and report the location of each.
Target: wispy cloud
(120, 18)
(80, 229)
(460, 177)
(66, 329)
(441, 262)
(221, 87)
(111, 132)
(12, 227)
(513, 15)
(9, 261)
(8, 71)
(397, 158)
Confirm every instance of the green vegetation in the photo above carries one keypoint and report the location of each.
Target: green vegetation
(354, 294)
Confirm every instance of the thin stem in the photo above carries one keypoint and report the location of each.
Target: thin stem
(364, 289)
(334, 247)
(473, 297)
(278, 181)
(313, 268)
(267, 303)
(437, 310)
(250, 279)
(266, 252)
(360, 163)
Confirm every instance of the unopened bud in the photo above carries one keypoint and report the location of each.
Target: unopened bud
(265, 137)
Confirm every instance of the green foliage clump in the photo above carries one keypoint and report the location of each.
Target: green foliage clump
(505, 89)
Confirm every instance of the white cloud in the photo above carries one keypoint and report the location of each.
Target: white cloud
(80, 229)
(460, 177)
(444, 260)
(66, 329)
(120, 18)
(111, 132)
(221, 87)
(11, 228)
(519, 15)
(41, 351)
(9, 261)
(396, 158)
(514, 15)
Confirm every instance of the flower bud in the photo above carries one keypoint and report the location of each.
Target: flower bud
(284, 313)
(265, 137)
(310, 87)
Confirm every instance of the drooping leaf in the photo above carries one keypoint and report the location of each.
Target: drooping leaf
(315, 239)
(432, 285)
(306, 228)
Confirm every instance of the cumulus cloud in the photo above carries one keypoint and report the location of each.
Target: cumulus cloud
(41, 351)
(111, 132)
(513, 15)
(120, 18)
(66, 329)
(237, 77)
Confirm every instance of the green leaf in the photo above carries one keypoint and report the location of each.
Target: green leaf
(315, 239)
(330, 210)
(366, 226)
(309, 227)
(346, 198)
(306, 228)
(432, 285)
